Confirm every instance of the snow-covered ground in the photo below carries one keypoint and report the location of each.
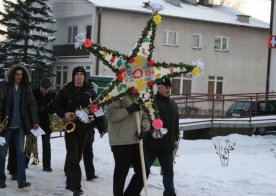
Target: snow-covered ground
(198, 171)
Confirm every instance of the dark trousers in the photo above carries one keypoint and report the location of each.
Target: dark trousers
(126, 156)
(46, 147)
(12, 162)
(166, 163)
(74, 146)
(87, 156)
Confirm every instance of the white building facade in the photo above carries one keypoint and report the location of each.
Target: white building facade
(234, 52)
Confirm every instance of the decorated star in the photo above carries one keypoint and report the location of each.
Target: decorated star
(138, 72)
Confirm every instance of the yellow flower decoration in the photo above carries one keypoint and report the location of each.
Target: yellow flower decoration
(157, 75)
(104, 54)
(196, 71)
(157, 19)
(148, 105)
(107, 97)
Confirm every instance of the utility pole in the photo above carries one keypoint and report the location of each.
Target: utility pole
(271, 65)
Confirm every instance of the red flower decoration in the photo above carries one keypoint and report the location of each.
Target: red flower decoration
(112, 59)
(119, 77)
(94, 108)
(122, 70)
(134, 91)
(171, 69)
(132, 60)
(150, 83)
(150, 63)
(87, 43)
(157, 123)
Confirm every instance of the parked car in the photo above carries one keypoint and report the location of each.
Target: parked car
(254, 108)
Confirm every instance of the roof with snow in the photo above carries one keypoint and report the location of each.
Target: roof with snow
(218, 14)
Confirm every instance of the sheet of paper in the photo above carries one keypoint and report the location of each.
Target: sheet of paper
(37, 132)
(2, 141)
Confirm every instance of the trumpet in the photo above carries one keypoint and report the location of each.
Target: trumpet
(3, 124)
(62, 124)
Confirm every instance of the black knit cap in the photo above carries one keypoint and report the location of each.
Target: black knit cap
(45, 83)
(78, 69)
(164, 81)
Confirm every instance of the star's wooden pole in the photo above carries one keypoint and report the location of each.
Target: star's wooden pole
(142, 154)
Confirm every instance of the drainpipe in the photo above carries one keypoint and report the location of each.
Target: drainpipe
(99, 11)
(269, 50)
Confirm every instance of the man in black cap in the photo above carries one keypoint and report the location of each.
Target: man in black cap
(76, 94)
(44, 98)
(163, 148)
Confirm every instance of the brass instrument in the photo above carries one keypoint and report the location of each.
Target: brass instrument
(61, 124)
(4, 124)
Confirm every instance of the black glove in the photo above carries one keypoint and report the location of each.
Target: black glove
(142, 135)
(135, 107)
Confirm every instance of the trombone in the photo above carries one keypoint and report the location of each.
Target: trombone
(3, 124)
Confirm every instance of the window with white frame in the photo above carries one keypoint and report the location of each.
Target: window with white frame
(170, 38)
(61, 76)
(72, 32)
(221, 43)
(215, 85)
(197, 41)
(181, 85)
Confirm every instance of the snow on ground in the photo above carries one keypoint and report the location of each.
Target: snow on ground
(198, 171)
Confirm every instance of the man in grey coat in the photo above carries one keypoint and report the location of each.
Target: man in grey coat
(124, 144)
(18, 104)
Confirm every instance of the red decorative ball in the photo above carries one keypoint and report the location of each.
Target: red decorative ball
(150, 63)
(132, 60)
(119, 77)
(94, 108)
(134, 91)
(150, 83)
(87, 43)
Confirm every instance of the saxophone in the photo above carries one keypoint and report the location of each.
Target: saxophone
(3, 124)
(58, 124)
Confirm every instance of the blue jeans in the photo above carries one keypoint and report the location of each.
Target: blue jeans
(166, 163)
(18, 137)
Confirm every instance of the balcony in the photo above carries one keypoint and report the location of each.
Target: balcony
(69, 51)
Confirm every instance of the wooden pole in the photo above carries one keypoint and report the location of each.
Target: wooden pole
(142, 154)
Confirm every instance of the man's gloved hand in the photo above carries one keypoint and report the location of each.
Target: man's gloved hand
(135, 107)
(142, 135)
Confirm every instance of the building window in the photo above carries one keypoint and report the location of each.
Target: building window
(170, 38)
(181, 85)
(197, 41)
(72, 32)
(215, 85)
(87, 70)
(221, 43)
(88, 31)
(61, 76)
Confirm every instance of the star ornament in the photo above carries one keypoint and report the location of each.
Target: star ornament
(138, 72)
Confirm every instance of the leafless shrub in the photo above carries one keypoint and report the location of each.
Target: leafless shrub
(224, 152)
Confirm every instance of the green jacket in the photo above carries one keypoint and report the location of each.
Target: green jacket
(122, 125)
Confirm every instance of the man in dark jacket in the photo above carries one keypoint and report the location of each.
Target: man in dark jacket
(44, 98)
(163, 148)
(18, 103)
(75, 95)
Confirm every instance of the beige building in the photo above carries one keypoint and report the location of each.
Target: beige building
(232, 47)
